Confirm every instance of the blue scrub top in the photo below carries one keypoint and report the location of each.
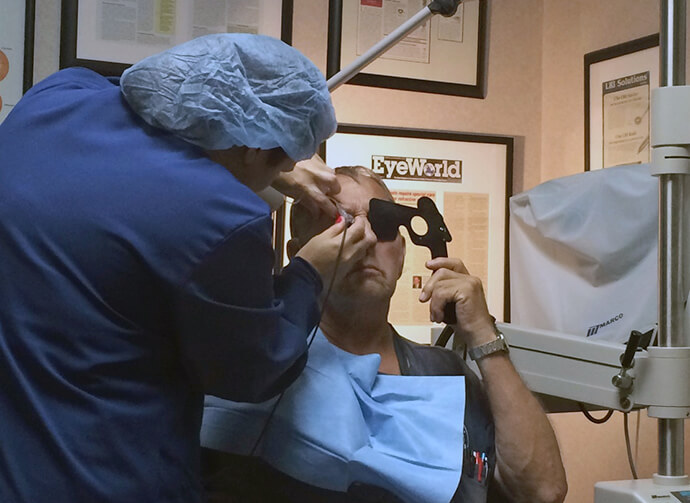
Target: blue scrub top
(135, 275)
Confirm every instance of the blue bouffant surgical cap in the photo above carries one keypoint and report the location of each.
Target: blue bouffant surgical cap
(229, 89)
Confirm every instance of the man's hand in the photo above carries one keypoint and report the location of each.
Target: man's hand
(322, 250)
(452, 283)
(312, 183)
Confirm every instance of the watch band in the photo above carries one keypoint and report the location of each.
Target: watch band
(499, 344)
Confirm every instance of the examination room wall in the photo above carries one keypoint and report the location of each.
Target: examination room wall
(535, 94)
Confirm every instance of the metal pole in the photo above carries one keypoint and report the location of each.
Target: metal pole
(671, 455)
(379, 48)
(671, 194)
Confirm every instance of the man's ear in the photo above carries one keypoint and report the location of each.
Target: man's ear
(402, 259)
(293, 246)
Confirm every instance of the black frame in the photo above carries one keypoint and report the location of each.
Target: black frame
(605, 54)
(508, 141)
(477, 90)
(29, 27)
(68, 39)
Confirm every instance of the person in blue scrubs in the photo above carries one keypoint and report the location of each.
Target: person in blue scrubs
(136, 264)
(388, 420)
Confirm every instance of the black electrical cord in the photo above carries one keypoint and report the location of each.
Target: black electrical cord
(628, 448)
(311, 339)
(593, 419)
(442, 341)
(445, 336)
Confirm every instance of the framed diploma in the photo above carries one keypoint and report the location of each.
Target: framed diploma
(16, 52)
(618, 84)
(443, 55)
(467, 175)
(110, 36)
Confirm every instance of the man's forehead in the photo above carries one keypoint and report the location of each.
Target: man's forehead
(354, 195)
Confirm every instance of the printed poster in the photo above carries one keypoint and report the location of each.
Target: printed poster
(626, 120)
(467, 181)
(127, 31)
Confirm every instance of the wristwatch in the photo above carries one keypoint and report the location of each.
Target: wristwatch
(498, 344)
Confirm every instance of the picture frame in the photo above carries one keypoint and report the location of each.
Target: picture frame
(416, 63)
(108, 37)
(618, 84)
(420, 162)
(17, 18)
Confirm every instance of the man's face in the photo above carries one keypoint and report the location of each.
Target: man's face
(375, 275)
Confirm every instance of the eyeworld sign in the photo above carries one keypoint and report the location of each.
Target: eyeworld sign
(417, 168)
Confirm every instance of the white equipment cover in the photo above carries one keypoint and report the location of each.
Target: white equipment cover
(583, 253)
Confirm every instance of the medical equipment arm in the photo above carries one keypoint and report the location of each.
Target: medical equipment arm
(583, 370)
(446, 8)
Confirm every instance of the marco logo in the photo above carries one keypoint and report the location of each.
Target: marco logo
(595, 328)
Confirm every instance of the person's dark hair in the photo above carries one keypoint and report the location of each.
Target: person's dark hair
(301, 219)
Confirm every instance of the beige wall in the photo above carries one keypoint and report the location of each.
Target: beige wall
(535, 93)
(572, 29)
(594, 452)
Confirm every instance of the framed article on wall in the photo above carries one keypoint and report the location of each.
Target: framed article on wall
(16, 52)
(108, 37)
(618, 85)
(443, 55)
(467, 175)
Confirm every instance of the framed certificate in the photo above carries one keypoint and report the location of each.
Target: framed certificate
(445, 55)
(618, 84)
(468, 176)
(16, 52)
(110, 36)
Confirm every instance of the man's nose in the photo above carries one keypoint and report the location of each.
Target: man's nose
(370, 238)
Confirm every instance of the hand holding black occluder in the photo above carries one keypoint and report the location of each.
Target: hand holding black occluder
(386, 217)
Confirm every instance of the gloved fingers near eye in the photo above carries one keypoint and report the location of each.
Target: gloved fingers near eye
(312, 183)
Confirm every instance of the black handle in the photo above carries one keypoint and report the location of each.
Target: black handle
(633, 344)
(449, 317)
(441, 250)
(386, 217)
(446, 8)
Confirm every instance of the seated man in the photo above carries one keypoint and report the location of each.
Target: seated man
(341, 434)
